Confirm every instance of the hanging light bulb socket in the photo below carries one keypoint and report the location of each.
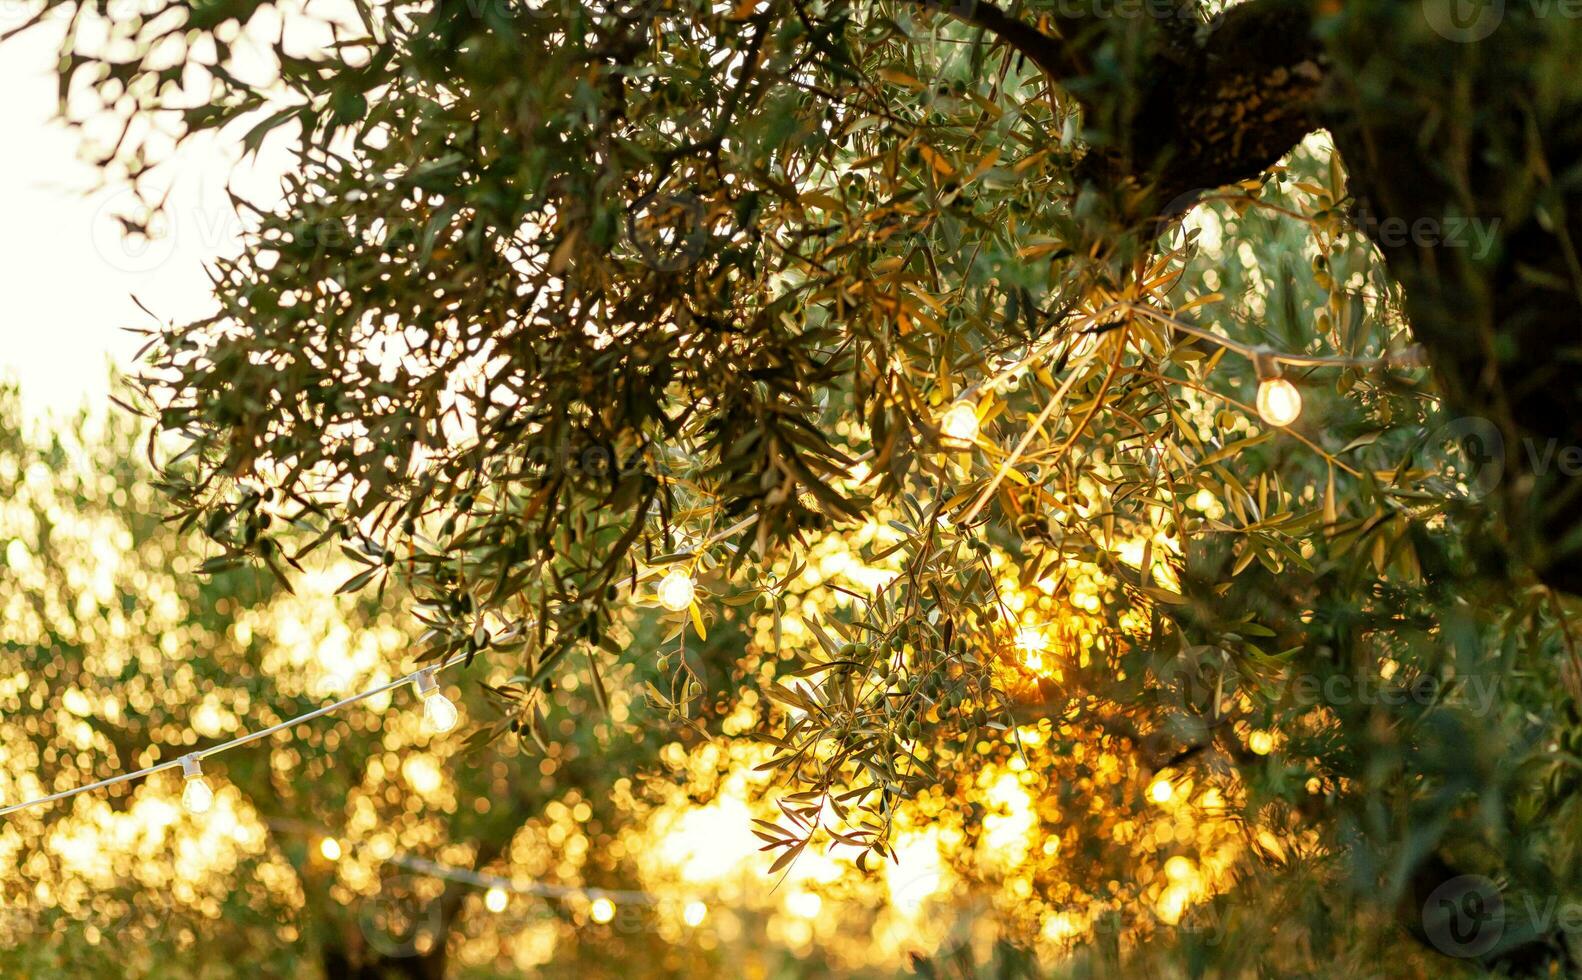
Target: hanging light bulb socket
(438, 710)
(196, 796)
(1278, 403)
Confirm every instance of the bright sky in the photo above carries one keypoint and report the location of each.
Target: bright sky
(67, 275)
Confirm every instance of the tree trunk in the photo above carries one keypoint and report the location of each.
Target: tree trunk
(1501, 317)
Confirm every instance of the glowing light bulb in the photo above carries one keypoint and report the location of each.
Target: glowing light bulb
(438, 711)
(603, 910)
(494, 900)
(676, 590)
(959, 424)
(330, 848)
(1279, 403)
(196, 796)
(694, 913)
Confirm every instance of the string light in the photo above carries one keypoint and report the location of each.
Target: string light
(438, 710)
(494, 900)
(1413, 356)
(288, 724)
(442, 715)
(204, 795)
(196, 796)
(676, 590)
(1279, 403)
(512, 886)
(959, 424)
(498, 889)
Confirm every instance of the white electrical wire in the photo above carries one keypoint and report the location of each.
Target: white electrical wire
(468, 876)
(1412, 357)
(201, 754)
(483, 880)
(233, 743)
